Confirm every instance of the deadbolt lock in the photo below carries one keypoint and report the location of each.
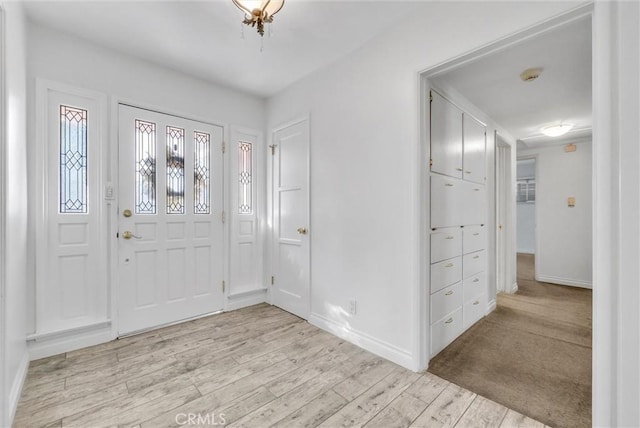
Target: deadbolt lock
(126, 213)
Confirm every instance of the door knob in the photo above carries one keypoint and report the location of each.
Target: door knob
(302, 231)
(127, 234)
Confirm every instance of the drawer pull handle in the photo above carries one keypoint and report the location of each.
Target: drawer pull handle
(476, 303)
(449, 237)
(448, 265)
(476, 190)
(449, 321)
(448, 184)
(476, 257)
(476, 280)
(449, 293)
(467, 172)
(458, 169)
(476, 234)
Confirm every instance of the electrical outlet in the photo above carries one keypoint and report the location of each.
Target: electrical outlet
(352, 306)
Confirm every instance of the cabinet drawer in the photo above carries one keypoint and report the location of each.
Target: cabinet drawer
(473, 310)
(446, 301)
(473, 286)
(473, 263)
(445, 331)
(473, 239)
(446, 243)
(445, 273)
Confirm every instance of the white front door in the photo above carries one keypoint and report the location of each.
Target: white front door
(170, 219)
(291, 277)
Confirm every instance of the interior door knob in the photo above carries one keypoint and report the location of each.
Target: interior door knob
(302, 231)
(127, 234)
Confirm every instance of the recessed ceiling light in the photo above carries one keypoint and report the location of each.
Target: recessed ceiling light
(530, 74)
(557, 130)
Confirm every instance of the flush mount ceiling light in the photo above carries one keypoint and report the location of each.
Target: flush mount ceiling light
(530, 74)
(557, 130)
(259, 12)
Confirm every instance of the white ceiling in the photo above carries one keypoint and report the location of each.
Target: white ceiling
(203, 38)
(561, 94)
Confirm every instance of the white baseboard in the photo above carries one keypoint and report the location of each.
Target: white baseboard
(16, 386)
(48, 345)
(385, 350)
(526, 251)
(246, 298)
(564, 281)
(491, 306)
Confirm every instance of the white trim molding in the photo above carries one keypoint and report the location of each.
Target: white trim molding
(246, 298)
(46, 345)
(18, 383)
(365, 341)
(564, 281)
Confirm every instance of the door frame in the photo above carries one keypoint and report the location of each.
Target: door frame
(113, 173)
(4, 394)
(607, 403)
(506, 200)
(270, 241)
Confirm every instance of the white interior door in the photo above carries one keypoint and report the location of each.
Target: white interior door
(170, 219)
(503, 162)
(291, 274)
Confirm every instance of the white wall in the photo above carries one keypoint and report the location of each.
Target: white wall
(526, 212)
(526, 227)
(16, 357)
(66, 59)
(365, 125)
(564, 233)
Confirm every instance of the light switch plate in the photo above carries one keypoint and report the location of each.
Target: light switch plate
(571, 201)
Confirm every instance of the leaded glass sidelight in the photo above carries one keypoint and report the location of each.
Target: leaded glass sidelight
(245, 166)
(145, 167)
(73, 160)
(201, 173)
(175, 170)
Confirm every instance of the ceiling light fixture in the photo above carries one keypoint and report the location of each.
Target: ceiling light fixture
(259, 12)
(557, 130)
(530, 74)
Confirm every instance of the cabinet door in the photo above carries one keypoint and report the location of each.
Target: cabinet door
(474, 203)
(447, 199)
(446, 137)
(474, 148)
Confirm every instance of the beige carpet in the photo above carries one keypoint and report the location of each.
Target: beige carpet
(532, 354)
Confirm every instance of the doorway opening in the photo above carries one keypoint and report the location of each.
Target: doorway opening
(536, 338)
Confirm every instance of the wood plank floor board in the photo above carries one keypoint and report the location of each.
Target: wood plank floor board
(133, 411)
(446, 409)
(400, 413)
(313, 413)
(363, 408)
(257, 366)
(283, 406)
(515, 420)
(483, 413)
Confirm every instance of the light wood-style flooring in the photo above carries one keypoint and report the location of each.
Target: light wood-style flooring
(255, 367)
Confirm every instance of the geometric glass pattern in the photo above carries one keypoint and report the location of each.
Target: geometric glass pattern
(201, 173)
(245, 151)
(175, 170)
(73, 160)
(145, 167)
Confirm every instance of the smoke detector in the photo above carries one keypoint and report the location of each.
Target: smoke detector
(530, 74)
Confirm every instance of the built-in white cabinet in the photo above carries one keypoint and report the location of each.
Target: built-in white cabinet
(473, 143)
(446, 137)
(458, 206)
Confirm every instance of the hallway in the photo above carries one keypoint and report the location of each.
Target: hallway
(532, 354)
